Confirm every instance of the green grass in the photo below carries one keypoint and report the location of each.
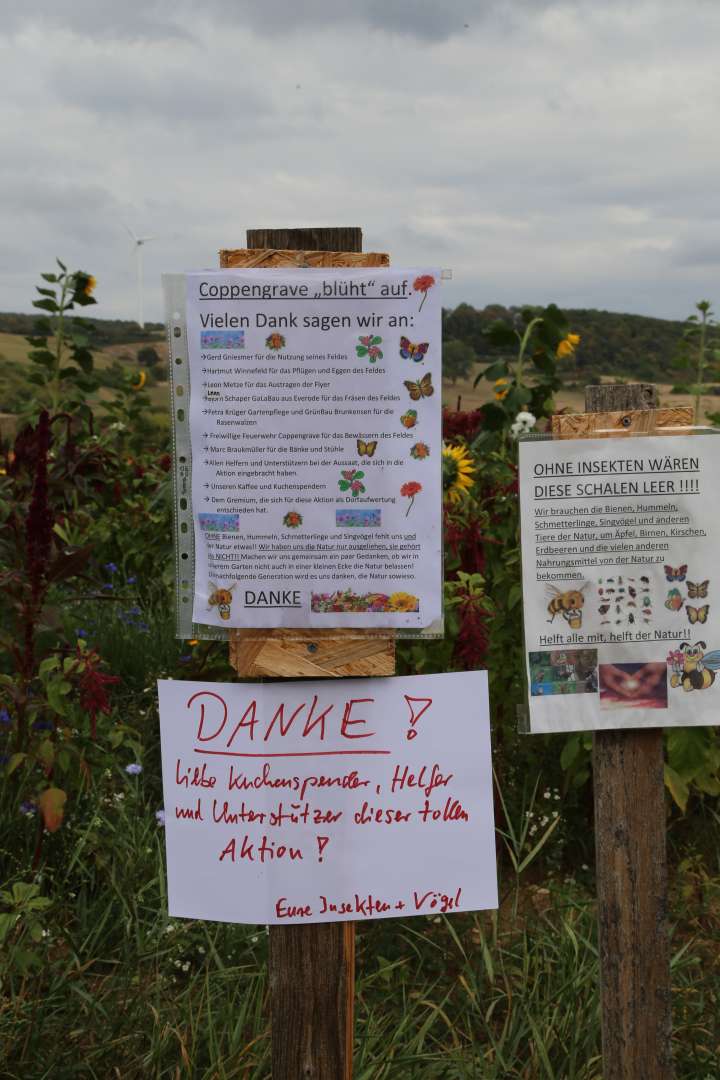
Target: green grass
(115, 988)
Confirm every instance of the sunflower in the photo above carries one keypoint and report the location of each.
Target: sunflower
(402, 601)
(457, 473)
(501, 389)
(567, 346)
(142, 379)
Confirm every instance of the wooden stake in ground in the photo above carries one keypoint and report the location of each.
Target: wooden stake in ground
(312, 968)
(629, 793)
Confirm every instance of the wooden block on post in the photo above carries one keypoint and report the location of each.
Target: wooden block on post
(629, 795)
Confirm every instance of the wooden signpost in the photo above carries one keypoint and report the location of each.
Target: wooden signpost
(629, 796)
(311, 968)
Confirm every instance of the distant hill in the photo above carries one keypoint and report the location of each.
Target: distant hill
(611, 343)
(107, 331)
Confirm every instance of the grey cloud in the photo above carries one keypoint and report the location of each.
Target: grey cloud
(425, 20)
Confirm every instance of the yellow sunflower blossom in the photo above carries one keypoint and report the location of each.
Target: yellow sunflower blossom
(567, 346)
(402, 601)
(142, 379)
(501, 388)
(457, 473)
(89, 286)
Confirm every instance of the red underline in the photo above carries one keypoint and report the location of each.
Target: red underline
(309, 753)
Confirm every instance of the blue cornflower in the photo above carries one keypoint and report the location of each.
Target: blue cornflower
(81, 633)
(134, 769)
(185, 659)
(144, 627)
(160, 817)
(43, 725)
(108, 585)
(131, 580)
(111, 567)
(5, 716)
(134, 611)
(28, 808)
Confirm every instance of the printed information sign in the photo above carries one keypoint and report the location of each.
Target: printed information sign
(332, 800)
(315, 425)
(619, 545)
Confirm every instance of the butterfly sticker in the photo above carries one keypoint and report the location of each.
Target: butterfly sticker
(676, 573)
(697, 614)
(410, 351)
(674, 600)
(421, 389)
(697, 590)
(366, 448)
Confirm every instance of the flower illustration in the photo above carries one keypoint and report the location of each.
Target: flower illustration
(352, 481)
(409, 418)
(402, 601)
(369, 346)
(567, 346)
(501, 388)
(410, 490)
(420, 451)
(422, 284)
(524, 422)
(292, 519)
(457, 473)
(275, 341)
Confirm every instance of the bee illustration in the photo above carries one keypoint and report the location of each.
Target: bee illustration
(568, 604)
(697, 670)
(223, 599)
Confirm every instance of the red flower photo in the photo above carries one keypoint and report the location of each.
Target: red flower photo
(410, 490)
(422, 284)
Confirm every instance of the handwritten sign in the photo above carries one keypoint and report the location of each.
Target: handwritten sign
(619, 546)
(315, 402)
(323, 801)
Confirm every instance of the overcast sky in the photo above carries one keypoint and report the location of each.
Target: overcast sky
(542, 151)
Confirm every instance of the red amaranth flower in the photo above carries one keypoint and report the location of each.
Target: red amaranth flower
(461, 425)
(93, 695)
(472, 640)
(39, 521)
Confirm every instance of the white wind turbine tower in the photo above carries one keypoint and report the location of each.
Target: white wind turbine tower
(139, 241)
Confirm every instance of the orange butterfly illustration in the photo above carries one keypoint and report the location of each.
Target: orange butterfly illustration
(421, 389)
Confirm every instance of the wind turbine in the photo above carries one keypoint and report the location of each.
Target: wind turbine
(139, 241)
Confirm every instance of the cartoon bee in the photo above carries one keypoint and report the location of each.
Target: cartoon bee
(568, 604)
(698, 667)
(223, 599)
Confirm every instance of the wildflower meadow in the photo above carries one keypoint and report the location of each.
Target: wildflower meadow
(96, 981)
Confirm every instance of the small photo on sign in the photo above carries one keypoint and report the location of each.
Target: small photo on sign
(219, 522)
(634, 686)
(222, 339)
(563, 671)
(358, 518)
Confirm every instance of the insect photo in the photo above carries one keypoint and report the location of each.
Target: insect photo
(366, 449)
(411, 351)
(569, 604)
(421, 389)
(223, 599)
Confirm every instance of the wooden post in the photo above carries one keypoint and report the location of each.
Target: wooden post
(629, 793)
(312, 968)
